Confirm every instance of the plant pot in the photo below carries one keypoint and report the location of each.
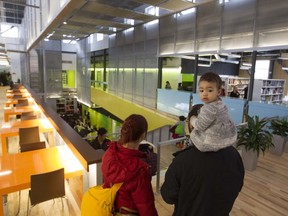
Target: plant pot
(249, 159)
(279, 145)
(286, 146)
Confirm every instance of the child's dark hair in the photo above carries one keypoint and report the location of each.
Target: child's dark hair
(212, 77)
(182, 118)
(132, 129)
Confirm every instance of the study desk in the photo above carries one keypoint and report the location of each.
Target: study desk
(15, 101)
(8, 111)
(10, 95)
(16, 169)
(12, 129)
(11, 91)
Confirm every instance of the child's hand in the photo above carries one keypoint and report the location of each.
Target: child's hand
(190, 127)
(193, 117)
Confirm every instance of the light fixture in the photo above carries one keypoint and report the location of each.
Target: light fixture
(191, 1)
(223, 1)
(285, 69)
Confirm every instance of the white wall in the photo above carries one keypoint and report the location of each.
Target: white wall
(69, 61)
(15, 69)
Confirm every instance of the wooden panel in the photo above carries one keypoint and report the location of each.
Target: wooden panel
(117, 11)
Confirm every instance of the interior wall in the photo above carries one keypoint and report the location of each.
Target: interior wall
(133, 64)
(83, 74)
(280, 74)
(221, 68)
(236, 25)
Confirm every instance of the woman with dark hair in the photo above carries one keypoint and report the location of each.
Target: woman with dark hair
(101, 141)
(122, 163)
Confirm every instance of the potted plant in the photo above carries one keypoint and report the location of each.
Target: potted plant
(253, 137)
(279, 129)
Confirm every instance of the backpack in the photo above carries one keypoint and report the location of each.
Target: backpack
(179, 130)
(99, 201)
(151, 156)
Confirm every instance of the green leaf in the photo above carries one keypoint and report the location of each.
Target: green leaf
(255, 135)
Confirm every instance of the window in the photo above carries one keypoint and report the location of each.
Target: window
(262, 69)
(129, 21)
(90, 40)
(9, 31)
(99, 37)
(152, 10)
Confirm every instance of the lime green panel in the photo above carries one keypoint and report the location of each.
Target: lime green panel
(187, 77)
(98, 120)
(70, 79)
(122, 109)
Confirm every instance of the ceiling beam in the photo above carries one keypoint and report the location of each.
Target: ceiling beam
(68, 9)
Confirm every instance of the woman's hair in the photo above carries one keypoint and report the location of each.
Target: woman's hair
(132, 129)
(212, 77)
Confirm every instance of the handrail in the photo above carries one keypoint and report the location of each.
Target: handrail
(166, 142)
(108, 135)
(169, 142)
(81, 149)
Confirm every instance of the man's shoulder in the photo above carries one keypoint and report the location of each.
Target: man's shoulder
(184, 152)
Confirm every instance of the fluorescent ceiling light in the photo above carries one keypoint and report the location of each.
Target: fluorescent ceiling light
(188, 11)
(204, 65)
(152, 22)
(222, 1)
(129, 30)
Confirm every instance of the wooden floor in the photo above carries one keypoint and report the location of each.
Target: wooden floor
(265, 191)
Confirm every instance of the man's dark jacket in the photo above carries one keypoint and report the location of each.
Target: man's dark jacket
(203, 183)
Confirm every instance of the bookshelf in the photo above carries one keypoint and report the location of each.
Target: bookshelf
(66, 105)
(239, 82)
(269, 90)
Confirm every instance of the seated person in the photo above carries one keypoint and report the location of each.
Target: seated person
(101, 142)
(235, 92)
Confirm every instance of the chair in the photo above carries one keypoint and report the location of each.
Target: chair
(17, 86)
(23, 118)
(16, 90)
(22, 102)
(46, 186)
(29, 147)
(17, 96)
(29, 135)
(32, 146)
(28, 115)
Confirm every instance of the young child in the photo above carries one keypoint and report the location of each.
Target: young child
(213, 128)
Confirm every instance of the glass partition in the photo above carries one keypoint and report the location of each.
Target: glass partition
(236, 108)
(173, 102)
(264, 110)
(177, 103)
